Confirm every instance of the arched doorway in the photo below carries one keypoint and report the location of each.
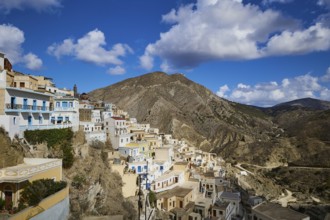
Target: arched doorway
(8, 197)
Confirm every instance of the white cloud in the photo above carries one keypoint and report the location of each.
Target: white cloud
(32, 61)
(223, 90)
(11, 40)
(91, 48)
(271, 93)
(147, 60)
(231, 30)
(117, 70)
(38, 5)
(315, 38)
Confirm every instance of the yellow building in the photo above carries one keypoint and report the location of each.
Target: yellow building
(25, 81)
(175, 198)
(14, 179)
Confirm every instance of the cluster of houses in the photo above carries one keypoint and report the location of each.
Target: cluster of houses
(189, 184)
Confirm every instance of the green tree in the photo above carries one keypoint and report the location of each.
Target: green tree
(36, 191)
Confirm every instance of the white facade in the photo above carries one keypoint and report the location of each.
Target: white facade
(106, 115)
(116, 130)
(96, 116)
(32, 108)
(93, 132)
(66, 111)
(168, 181)
(129, 151)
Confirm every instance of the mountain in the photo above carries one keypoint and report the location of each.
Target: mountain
(307, 103)
(237, 132)
(190, 111)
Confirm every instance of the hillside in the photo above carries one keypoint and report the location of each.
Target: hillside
(188, 110)
(237, 132)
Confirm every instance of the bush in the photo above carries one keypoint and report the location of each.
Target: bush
(36, 191)
(152, 199)
(50, 136)
(78, 181)
(2, 203)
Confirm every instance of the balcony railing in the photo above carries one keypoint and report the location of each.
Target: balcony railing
(65, 109)
(43, 127)
(20, 107)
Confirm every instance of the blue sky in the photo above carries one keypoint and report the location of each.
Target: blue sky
(259, 52)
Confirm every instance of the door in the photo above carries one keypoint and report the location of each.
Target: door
(34, 107)
(13, 102)
(25, 104)
(8, 199)
(44, 105)
(29, 120)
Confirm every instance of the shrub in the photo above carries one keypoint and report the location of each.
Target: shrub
(78, 181)
(36, 191)
(152, 199)
(2, 203)
(50, 136)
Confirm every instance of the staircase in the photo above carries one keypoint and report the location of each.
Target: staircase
(27, 148)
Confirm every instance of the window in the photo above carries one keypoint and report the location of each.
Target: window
(58, 104)
(71, 104)
(40, 120)
(64, 104)
(21, 84)
(14, 120)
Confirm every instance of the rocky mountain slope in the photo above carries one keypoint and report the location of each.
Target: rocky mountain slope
(238, 132)
(188, 110)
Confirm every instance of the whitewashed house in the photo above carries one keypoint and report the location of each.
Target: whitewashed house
(66, 112)
(93, 132)
(21, 107)
(116, 130)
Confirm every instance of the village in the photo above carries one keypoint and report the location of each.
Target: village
(188, 183)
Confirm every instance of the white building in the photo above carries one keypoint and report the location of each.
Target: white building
(66, 111)
(93, 132)
(96, 116)
(21, 108)
(116, 130)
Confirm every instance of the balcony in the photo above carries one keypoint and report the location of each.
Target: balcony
(26, 108)
(43, 127)
(65, 109)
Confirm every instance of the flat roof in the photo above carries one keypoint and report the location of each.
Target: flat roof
(26, 170)
(275, 211)
(230, 195)
(177, 191)
(29, 91)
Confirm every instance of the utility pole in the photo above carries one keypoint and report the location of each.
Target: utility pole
(147, 194)
(139, 201)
